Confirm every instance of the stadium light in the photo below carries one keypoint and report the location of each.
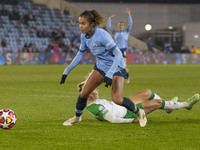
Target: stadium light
(148, 27)
(196, 36)
(170, 27)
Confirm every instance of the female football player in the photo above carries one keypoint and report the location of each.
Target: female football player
(121, 36)
(109, 67)
(105, 110)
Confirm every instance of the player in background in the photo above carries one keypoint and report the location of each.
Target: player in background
(109, 66)
(121, 36)
(105, 110)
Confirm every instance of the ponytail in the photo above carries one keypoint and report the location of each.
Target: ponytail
(93, 16)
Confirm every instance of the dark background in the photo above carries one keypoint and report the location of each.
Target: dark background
(139, 1)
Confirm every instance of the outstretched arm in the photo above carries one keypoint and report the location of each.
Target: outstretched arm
(128, 11)
(75, 62)
(102, 113)
(109, 26)
(112, 119)
(130, 21)
(78, 57)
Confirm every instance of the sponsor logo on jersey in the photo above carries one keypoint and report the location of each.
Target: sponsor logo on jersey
(94, 45)
(108, 43)
(95, 51)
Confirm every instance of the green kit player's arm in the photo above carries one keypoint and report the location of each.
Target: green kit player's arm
(100, 112)
(112, 119)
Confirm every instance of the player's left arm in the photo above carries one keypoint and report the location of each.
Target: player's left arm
(102, 113)
(79, 56)
(112, 119)
(130, 20)
(117, 57)
(110, 45)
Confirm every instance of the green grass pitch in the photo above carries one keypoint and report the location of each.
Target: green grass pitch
(42, 105)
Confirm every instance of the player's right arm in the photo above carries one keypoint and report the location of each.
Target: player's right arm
(112, 119)
(109, 25)
(102, 113)
(75, 61)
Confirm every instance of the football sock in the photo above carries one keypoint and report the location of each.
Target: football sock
(154, 96)
(130, 105)
(173, 105)
(80, 105)
(163, 105)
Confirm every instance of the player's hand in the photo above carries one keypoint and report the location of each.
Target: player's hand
(128, 11)
(108, 81)
(64, 76)
(135, 120)
(112, 16)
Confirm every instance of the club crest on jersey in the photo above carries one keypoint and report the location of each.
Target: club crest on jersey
(94, 45)
(101, 108)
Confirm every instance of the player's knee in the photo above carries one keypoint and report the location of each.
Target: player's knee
(159, 103)
(83, 95)
(117, 100)
(147, 93)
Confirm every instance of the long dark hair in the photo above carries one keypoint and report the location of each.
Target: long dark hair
(93, 16)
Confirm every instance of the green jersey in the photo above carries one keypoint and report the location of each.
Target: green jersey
(105, 110)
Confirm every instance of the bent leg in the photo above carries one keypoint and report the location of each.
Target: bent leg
(117, 95)
(117, 89)
(93, 81)
(152, 105)
(155, 104)
(141, 96)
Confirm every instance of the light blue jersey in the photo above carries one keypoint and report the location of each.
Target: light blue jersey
(108, 57)
(121, 37)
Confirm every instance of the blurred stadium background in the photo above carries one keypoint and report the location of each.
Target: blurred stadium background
(47, 31)
(36, 32)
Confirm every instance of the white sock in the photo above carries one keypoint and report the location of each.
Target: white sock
(157, 97)
(175, 105)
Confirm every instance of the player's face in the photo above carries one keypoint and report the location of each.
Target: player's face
(121, 26)
(85, 26)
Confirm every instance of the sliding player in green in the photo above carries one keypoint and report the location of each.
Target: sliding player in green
(147, 100)
(109, 66)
